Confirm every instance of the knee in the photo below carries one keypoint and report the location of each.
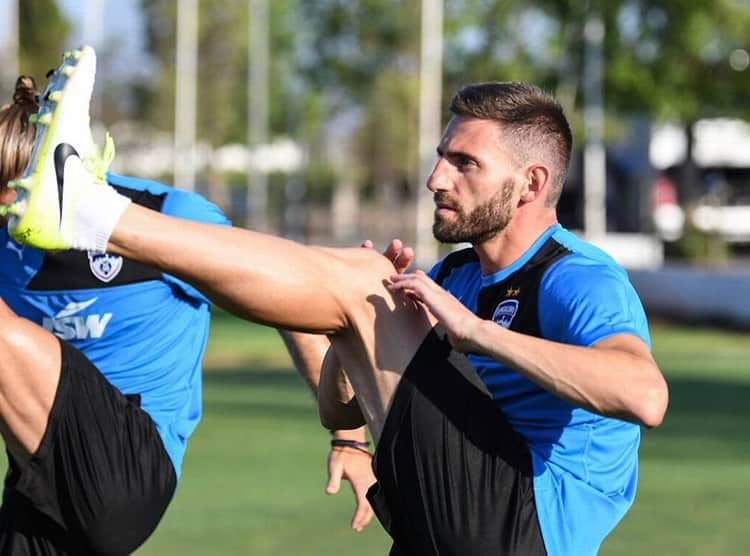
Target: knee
(13, 333)
(19, 335)
(26, 348)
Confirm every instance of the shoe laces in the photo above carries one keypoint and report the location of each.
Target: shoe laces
(99, 163)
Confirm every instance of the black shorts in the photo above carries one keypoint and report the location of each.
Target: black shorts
(99, 482)
(453, 477)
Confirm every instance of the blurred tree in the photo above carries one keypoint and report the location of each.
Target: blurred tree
(668, 59)
(363, 59)
(43, 30)
(672, 59)
(222, 70)
(345, 71)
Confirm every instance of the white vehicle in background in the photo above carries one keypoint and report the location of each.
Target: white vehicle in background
(721, 152)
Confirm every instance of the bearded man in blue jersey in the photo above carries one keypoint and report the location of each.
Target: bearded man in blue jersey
(552, 327)
(96, 426)
(530, 446)
(550, 323)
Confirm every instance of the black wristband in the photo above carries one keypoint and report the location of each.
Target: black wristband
(356, 444)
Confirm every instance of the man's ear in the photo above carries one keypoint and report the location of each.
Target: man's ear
(537, 180)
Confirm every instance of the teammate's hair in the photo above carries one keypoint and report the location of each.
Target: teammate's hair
(532, 119)
(16, 132)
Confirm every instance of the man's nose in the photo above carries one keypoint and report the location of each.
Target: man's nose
(438, 180)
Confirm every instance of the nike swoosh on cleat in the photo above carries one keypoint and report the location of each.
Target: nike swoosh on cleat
(62, 152)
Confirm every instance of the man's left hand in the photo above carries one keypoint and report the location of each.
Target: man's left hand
(355, 466)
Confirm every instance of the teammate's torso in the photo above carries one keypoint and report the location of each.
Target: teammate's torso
(145, 330)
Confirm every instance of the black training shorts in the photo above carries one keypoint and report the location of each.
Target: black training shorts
(453, 477)
(101, 479)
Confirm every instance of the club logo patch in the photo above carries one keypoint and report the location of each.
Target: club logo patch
(505, 312)
(105, 266)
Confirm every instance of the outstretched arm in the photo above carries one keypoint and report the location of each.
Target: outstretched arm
(318, 364)
(616, 377)
(353, 462)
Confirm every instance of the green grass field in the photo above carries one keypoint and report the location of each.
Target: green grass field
(254, 473)
(255, 469)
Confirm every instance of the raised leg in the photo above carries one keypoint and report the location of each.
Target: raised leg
(63, 203)
(339, 292)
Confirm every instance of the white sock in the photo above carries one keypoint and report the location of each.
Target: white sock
(95, 211)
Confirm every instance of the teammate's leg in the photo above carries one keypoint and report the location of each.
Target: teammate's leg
(340, 292)
(29, 375)
(88, 472)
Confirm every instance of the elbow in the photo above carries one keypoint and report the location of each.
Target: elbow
(341, 416)
(653, 405)
(328, 418)
(327, 421)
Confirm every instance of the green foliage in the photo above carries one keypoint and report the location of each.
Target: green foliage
(699, 247)
(43, 30)
(222, 69)
(346, 71)
(320, 181)
(671, 58)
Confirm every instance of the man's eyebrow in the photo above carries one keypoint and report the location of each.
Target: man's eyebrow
(452, 154)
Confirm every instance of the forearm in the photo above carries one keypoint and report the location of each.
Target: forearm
(337, 403)
(617, 377)
(307, 352)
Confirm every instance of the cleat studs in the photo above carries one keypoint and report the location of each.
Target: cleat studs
(45, 119)
(15, 209)
(54, 96)
(22, 183)
(34, 118)
(68, 71)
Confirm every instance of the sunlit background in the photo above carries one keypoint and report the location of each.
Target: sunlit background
(318, 120)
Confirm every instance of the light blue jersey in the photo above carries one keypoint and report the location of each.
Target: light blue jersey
(567, 291)
(144, 330)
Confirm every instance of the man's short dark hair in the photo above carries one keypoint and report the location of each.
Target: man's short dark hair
(533, 119)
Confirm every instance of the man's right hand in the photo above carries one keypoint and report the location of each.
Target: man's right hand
(396, 252)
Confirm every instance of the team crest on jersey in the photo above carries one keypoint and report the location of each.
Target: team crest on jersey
(505, 312)
(105, 266)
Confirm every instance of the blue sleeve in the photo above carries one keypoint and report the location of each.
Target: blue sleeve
(582, 302)
(435, 269)
(191, 206)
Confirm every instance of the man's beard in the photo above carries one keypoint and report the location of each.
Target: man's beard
(481, 224)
